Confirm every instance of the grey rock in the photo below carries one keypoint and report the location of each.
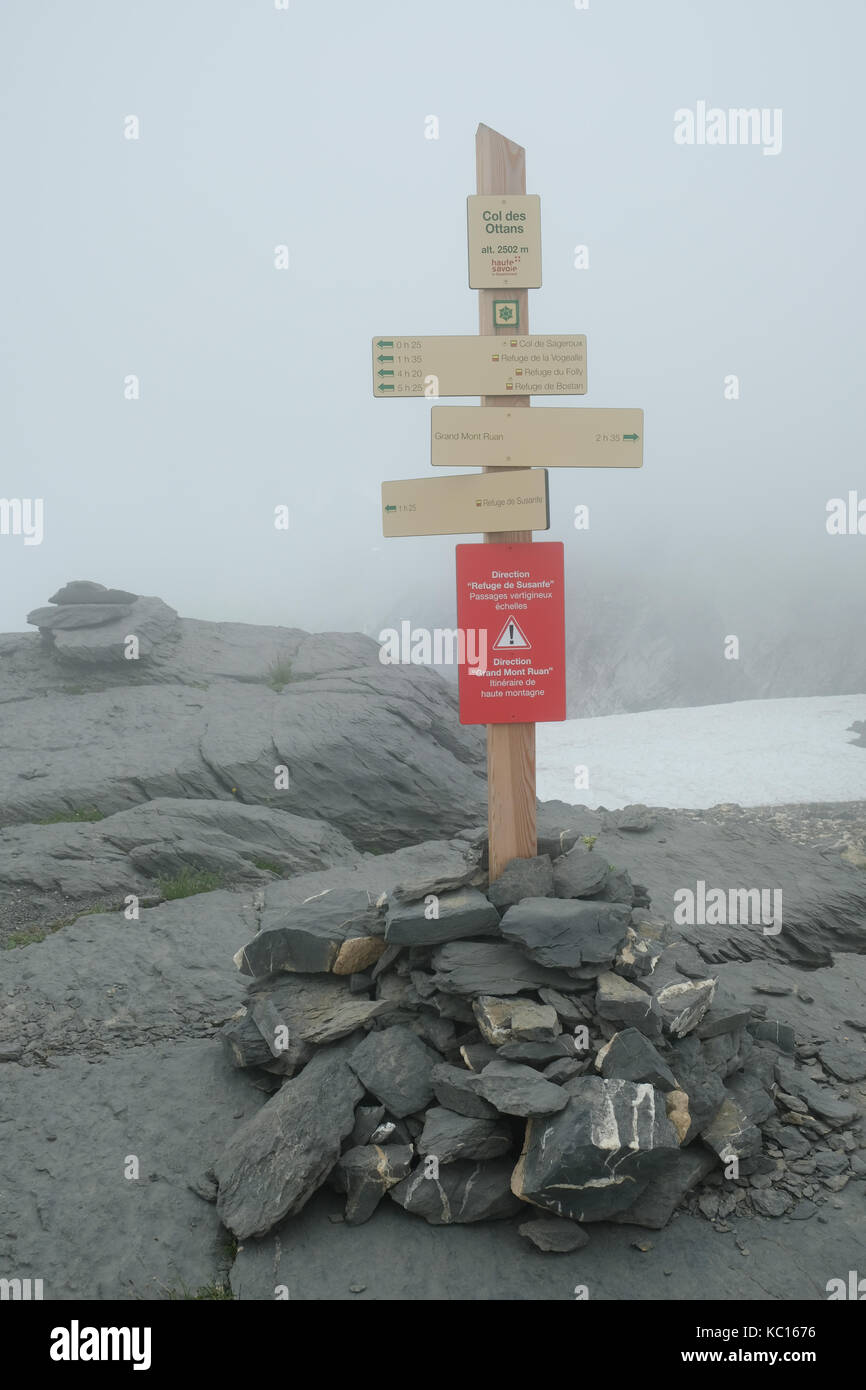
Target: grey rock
(635, 818)
(629, 1056)
(830, 1161)
(462, 913)
(772, 1203)
(704, 1087)
(450, 1135)
(514, 1089)
(275, 1162)
(366, 1173)
(625, 1003)
(551, 1234)
(368, 1118)
(846, 1061)
(460, 1091)
(820, 1099)
(86, 591)
(730, 1133)
(77, 615)
(770, 1030)
(476, 1055)
(515, 1020)
(564, 1069)
(395, 1067)
(570, 1010)
(537, 1053)
(579, 874)
(803, 1210)
(462, 1192)
(597, 1155)
(665, 1191)
(755, 1102)
(491, 967)
(318, 1009)
(723, 1016)
(336, 931)
(567, 933)
(148, 619)
(619, 888)
(522, 878)
(789, 1139)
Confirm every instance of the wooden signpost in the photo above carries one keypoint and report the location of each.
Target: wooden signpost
(519, 598)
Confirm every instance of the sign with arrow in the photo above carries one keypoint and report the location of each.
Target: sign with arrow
(557, 436)
(466, 504)
(541, 364)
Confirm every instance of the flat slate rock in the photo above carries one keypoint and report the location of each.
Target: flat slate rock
(567, 933)
(396, 1067)
(731, 1133)
(77, 615)
(491, 967)
(87, 591)
(821, 1100)
(537, 1053)
(461, 913)
(630, 1056)
(663, 1194)
(847, 1062)
(318, 1008)
(522, 878)
(275, 1162)
(449, 1136)
(458, 1089)
(515, 1089)
(462, 1192)
(620, 1001)
(550, 1234)
(365, 1173)
(149, 619)
(580, 874)
(597, 1155)
(338, 931)
(515, 1020)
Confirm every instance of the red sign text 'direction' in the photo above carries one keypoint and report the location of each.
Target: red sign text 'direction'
(511, 612)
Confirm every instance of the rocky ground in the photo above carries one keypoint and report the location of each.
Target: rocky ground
(153, 793)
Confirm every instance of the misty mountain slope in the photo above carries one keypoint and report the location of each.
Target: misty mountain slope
(659, 643)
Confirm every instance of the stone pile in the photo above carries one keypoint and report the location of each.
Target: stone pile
(89, 623)
(548, 1043)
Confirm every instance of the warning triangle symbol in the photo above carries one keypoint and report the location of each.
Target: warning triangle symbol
(511, 638)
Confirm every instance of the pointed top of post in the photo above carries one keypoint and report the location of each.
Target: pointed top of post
(500, 163)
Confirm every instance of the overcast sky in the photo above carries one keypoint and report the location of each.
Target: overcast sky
(306, 127)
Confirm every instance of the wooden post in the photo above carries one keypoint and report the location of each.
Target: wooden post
(500, 167)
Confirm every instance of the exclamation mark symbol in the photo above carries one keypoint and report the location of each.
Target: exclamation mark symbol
(511, 633)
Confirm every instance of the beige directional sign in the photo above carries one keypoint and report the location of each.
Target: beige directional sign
(543, 364)
(466, 503)
(504, 233)
(555, 436)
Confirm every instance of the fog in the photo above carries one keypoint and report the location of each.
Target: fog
(306, 127)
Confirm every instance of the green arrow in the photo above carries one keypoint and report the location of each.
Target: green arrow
(384, 371)
(384, 358)
(390, 509)
(385, 342)
(629, 436)
(386, 386)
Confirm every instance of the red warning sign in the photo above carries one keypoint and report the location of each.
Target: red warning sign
(511, 620)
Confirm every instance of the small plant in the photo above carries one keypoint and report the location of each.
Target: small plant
(30, 935)
(589, 840)
(189, 882)
(279, 673)
(212, 1290)
(269, 866)
(84, 813)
